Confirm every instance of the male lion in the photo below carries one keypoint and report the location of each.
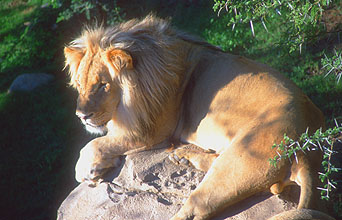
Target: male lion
(143, 84)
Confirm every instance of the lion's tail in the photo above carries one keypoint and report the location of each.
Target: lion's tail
(301, 214)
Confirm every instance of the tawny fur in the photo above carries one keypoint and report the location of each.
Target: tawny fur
(155, 76)
(145, 83)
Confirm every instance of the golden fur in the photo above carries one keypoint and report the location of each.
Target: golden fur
(153, 72)
(144, 83)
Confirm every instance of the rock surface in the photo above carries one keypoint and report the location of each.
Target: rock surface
(150, 186)
(28, 82)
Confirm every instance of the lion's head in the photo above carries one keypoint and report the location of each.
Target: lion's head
(124, 75)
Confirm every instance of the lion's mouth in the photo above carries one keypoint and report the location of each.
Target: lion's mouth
(94, 128)
(89, 122)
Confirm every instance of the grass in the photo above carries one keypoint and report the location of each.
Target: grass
(13, 14)
(27, 37)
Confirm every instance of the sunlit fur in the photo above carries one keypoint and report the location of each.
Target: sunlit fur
(154, 78)
(166, 85)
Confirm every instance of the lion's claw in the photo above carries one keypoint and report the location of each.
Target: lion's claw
(172, 158)
(177, 160)
(94, 173)
(176, 157)
(184, 161)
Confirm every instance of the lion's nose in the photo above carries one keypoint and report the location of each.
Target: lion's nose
(84, 116)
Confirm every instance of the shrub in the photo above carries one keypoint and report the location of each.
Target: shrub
(333, 64)
(105, 11)
(301, 20)
(320, 140)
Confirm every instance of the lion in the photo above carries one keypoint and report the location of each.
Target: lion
(143, 84)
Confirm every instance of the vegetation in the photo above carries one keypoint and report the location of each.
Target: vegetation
(333, 64)
(299, 19)
(300, 38)
(323, 141)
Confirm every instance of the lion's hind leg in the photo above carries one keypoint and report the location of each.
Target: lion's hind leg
(233, 176)
(194, 156)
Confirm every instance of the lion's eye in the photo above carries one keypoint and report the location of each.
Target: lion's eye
(103, 87)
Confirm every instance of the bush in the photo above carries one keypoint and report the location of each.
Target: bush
(104, 12)
(299, 19)
(323, 141)
(333, 64)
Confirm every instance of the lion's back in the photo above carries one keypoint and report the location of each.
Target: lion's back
(236, 94)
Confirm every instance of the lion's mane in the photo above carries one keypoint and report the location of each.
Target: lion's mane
(155, 78)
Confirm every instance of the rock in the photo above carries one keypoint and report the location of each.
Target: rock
(28, 82)
(150, 186)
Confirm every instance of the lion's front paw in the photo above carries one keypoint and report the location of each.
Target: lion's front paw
(94, 163)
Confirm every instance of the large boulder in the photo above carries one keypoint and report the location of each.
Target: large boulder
(27, 82)
(149, 186)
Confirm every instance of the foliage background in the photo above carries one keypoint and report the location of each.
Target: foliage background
(40, 136)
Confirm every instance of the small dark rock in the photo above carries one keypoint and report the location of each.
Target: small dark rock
(28, 82)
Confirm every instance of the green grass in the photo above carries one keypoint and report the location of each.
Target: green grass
(26, 35)
(13, 14)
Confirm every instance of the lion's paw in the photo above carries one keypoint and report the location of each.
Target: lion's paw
(191, 155)
(94, 163)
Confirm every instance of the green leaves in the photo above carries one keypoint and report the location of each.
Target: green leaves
(323, 141)
(301, 19)
(106, 10)
(333, 64)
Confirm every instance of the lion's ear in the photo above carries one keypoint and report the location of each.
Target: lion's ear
(118, 60)
(73, 57)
